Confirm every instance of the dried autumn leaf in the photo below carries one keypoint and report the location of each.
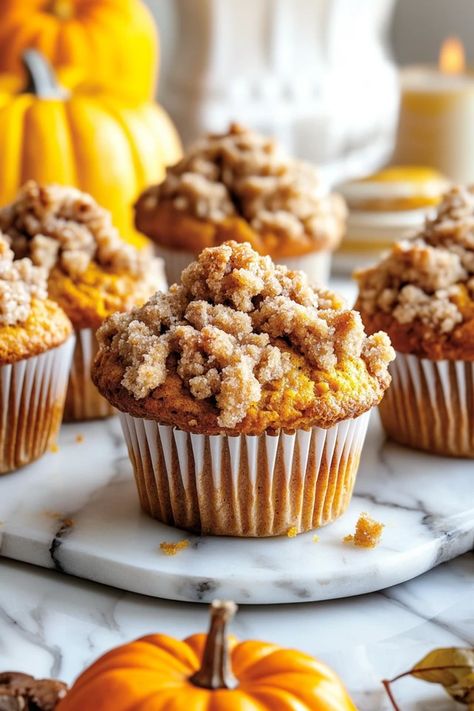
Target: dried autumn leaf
(451, 667)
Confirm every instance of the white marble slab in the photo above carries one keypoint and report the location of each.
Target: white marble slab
(76, 510)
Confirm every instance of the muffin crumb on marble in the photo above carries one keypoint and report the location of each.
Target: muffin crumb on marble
(368, 532)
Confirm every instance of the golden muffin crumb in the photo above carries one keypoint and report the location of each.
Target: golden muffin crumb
(367, 532)
(243, 175)
(252, 339)
(171, 549)
(20, 281)
(422, 293)
(292, 532)
(91, 271)
(315, 538)
(79, 438)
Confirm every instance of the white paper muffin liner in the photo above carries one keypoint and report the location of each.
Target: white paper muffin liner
(430, 405)
(83, 400)
(317, 265)
(32, 393)
(245, 485)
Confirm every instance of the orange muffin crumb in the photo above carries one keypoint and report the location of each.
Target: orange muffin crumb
(292, 532)
(54, 448)
(367, 532)
(171, 549)
(422, 293)
(79, 438)
(241, 345)
(91, 271)
(240, 186)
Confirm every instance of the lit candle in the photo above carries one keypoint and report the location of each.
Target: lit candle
(436, 125)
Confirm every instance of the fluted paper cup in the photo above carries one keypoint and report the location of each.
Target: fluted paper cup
(317, 265)
(83, 400)
(245, 485)
(430, 405)
(32, 394)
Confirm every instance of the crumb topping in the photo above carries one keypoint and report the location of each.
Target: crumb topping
(56, 225)
(172, 549)
(230, 328)
(20, 281)
(428, 278)
(368, 532)
(242, 173)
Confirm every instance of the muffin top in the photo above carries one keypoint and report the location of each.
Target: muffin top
(241, 186)
(422, 292)
(241, 346)
(29, 322)
(91, 271)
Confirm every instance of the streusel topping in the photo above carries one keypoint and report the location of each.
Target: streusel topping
(244, 174)
(20, 281)
(56, 225)
(429, 277)
(231, 328)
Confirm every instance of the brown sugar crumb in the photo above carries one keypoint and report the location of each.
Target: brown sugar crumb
(61, 225)
(171, 549)
(231, 326)
(368, 532)
(243, 173)
(292, 532)
(54, 448)
(79, 438)
(429, 277)
(20, 281)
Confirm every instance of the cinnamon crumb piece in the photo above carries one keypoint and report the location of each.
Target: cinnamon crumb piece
(79, 438)
(315, 538)
(368, 532)
(54, 448)
(292, 532)
(20, 281)
(171, 549)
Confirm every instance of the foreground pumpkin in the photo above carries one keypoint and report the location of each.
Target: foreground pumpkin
(112, 42)
(101, 144)
(206, 672)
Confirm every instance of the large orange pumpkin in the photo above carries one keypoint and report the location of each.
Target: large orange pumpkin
(113, 42)
(102, 144)
(204, 673)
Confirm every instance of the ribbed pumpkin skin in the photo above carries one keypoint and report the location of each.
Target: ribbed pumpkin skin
(113, 42)
(98, 143)
(152, 674)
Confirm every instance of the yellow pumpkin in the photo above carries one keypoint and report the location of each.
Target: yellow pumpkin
(102, 144)
(206, 673)
(114, 42)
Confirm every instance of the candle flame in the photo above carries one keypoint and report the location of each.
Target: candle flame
(451, 56)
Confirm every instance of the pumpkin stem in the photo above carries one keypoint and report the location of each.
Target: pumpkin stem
(42, 80)
(215, 671)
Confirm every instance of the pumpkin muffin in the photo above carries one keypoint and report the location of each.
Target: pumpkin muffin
(91, 272)
(244, 395)
(422, 295)
(240, 186)
(36, 347)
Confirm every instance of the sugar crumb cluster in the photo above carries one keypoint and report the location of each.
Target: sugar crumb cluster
(56, 225)
(242, 173)
(231, 327)
(20, 281)
(426, 278)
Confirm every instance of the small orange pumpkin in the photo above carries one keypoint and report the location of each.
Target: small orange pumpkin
(113, 43)
(206, 672)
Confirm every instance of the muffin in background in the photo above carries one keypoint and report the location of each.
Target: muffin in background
(240, 186)
(245, 396)
(36, 346)
(91, 272)
(422, 295)
(384, 208)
